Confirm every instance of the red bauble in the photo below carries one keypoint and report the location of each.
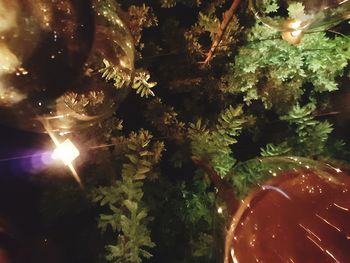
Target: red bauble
(301, 215)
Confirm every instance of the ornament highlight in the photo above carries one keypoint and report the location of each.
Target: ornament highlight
(303, 15)
(301, 214)
(50, 56)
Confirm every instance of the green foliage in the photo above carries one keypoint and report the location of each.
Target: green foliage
(337, 153)
(245, 176)
(273, 71)
(165, 119)
(121, 79)
(202, 245)
(207, 25)
(275, 150)
(307, 136)
(197, 202)
(296, 10)
(214, 144)
(197, 213)
(127, 215)
(140, 17)
(168, 3)
(270, 6)
(172, 3)
(114, 73)
(141, 84)
(311, 135)
(325, 60)
(260, 96)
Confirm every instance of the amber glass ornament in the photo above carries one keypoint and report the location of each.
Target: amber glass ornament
(50, 55)
(300, 215)
(312, 15)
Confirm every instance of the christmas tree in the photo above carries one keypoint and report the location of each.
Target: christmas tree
(212, 88)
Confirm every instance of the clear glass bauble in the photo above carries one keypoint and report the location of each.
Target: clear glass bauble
(300, 214)
(305, 15)
(50, 56)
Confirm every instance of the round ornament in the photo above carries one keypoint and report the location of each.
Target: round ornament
(301, 214)
(50, 56)
(301, 15)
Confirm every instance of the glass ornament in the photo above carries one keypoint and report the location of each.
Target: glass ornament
(50, 56)
(301, 15)
(300, 214)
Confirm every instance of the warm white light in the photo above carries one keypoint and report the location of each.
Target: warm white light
(67, 152)
(338, 170)
(296, 33)
(295, 25)
(220, 210)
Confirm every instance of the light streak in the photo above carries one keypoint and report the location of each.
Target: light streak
(234, 259)
(21, 157)
(328, 223)
(102, 146)
(276, 189)
(341, 207)
(74, 173)
(313, 241)
(332, 256)
(319, 246)
(309, 231)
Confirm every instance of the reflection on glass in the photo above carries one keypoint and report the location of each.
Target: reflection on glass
(50, 55)
(305, 15)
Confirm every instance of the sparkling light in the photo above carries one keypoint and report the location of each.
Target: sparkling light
(67, 152)
(296, 33)
(72, 148)
(295, 25)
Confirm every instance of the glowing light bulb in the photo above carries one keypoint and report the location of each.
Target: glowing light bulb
(295, 35)
(67, 152)
(306, 15)
(295, 24)
(220, 210)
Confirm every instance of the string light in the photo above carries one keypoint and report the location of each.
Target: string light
(294, 36)
(67, 152)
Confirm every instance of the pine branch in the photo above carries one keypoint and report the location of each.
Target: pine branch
(225, 190)
(227, 18)
(127, 215)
